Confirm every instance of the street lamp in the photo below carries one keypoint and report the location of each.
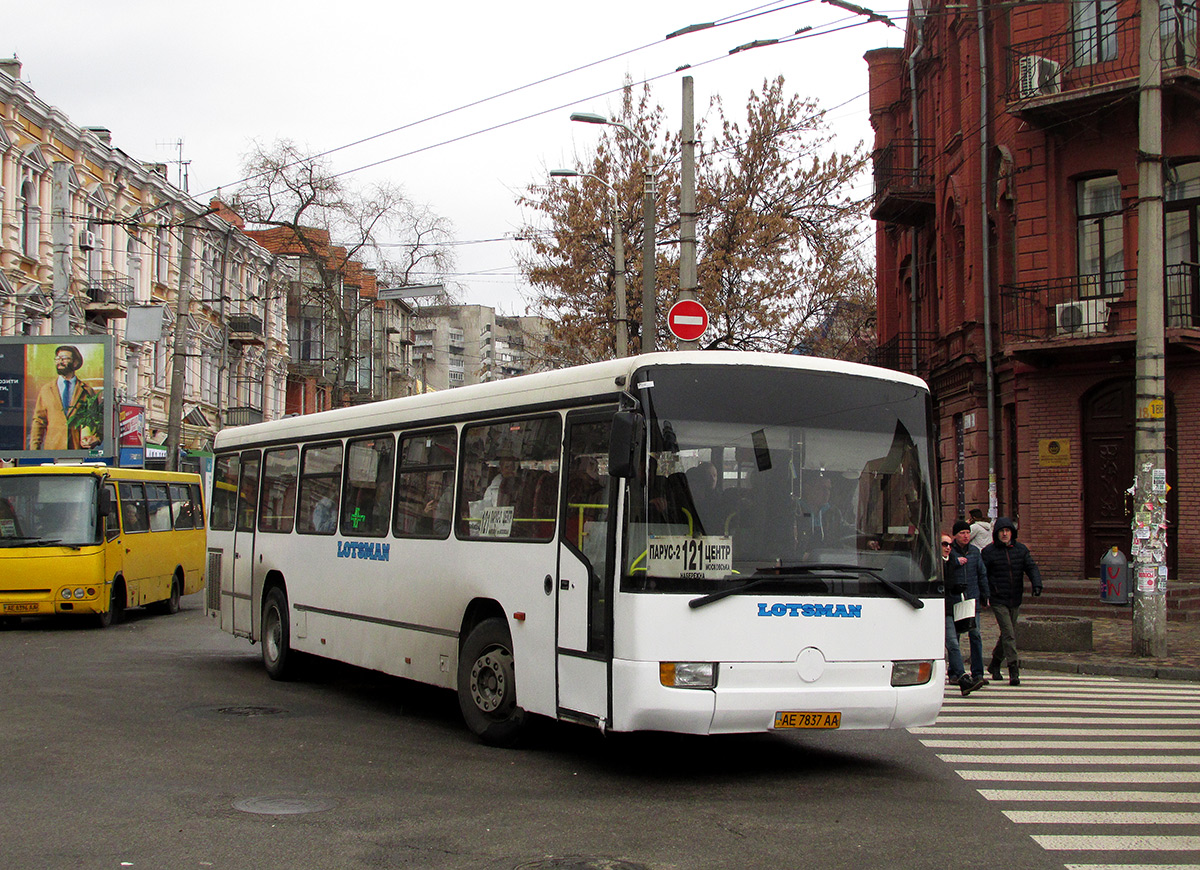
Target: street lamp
(649, 218)
(622, 337)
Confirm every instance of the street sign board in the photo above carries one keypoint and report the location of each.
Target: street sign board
(687, 320)
(412, 291)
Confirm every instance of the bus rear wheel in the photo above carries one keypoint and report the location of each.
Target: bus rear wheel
(277, 654)
(169, 604)
(487, 688)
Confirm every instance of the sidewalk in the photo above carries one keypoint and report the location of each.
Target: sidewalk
(1112, 642)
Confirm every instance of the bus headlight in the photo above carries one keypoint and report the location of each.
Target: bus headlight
(66, 593)
(688, 675)
(911, 673)
(79, 592)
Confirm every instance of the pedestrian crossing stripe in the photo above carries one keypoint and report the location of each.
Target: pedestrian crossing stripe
(1046, 741)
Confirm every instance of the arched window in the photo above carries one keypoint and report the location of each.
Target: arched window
(133, 268)
(162, 254)
(31, 215)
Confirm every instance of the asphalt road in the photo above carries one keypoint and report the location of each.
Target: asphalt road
(161, 743)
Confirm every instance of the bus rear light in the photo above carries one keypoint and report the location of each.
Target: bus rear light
(911, 673)
(688, 675)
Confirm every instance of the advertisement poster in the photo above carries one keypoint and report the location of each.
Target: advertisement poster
(55, 397)
(131, 436)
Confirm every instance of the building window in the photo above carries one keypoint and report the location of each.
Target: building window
(133, 268)
(1177, 19)
(162, 254)
(31, 216)
(1101, 237)
(1094, 24)
(1182, 231)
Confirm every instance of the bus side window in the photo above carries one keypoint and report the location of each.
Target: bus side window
(134, 517)
(320, 484)
(159, 507)
(425, 485)
(197, 505)
(367, 494)
(182, 509)
(518, 461)
(112, 523)
(247, 508)
(224, 494)
(278, 491)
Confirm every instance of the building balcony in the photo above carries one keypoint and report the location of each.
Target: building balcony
(245, 329)
(1059, 75)
(243, 416)
(904, 191)
(109, 297)
(897, 353)
(1090, 310)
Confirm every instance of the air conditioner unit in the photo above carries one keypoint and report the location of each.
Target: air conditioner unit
(1084, 317)
(1037, 77)
(87, 240)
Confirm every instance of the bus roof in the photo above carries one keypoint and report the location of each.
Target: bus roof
(100, 469)
(567, 385)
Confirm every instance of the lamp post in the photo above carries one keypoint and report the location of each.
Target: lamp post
(648, 220)
(622, 336)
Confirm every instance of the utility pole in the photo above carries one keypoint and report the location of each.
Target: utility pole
(60, 237)
(687, 203)
(649, 217)
(179, 353)
(622, 340)
(1150, 441)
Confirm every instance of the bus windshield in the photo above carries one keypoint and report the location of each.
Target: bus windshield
(48, 510)
(820, 480)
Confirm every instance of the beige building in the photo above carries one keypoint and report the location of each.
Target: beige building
(134, 240)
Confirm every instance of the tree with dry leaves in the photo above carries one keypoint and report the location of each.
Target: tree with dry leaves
(780, 239)
(340, 232)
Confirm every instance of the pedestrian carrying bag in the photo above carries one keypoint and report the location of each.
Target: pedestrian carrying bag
(964, 613)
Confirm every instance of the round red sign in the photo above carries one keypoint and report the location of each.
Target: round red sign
(687, 320)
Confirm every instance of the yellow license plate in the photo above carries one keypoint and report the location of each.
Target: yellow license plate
(20, 608)
(794, 719)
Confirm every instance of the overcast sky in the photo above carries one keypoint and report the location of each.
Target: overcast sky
(221, 74)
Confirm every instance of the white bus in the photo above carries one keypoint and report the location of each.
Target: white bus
(702, 543)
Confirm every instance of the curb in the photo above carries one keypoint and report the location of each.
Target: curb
(1112, 670)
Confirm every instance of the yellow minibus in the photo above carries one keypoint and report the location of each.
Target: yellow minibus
(93, 540)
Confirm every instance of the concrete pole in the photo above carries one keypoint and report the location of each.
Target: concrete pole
(687, 203)
(179, 352)
(1150, 437)
(60, 237)
(622, 340)
(649, 217)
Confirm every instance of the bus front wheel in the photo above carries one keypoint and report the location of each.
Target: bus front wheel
(487, 689)
(276, 636)
(116, 607)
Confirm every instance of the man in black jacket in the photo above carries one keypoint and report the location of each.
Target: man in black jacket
(1007, 563)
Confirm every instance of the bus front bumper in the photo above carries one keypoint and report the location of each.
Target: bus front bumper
(748, 695)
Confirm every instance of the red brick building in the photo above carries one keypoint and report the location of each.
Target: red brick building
(1006, 184)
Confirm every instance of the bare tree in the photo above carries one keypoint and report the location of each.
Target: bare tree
(340, 232)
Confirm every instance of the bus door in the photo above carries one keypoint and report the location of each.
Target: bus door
(585, 562)
(243, 546)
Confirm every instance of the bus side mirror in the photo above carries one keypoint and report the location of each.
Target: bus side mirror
(106, 503)
(625, 445)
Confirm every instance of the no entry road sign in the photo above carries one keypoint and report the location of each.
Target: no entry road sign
(687, 320)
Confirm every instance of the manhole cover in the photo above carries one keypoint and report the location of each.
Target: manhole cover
(580, 863)
(281, 806)
(250, 710)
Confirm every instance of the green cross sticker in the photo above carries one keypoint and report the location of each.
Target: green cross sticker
(357, 517)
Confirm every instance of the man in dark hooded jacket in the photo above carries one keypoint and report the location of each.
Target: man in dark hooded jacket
(1008, 563)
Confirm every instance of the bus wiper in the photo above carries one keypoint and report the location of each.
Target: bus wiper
(810, 570)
